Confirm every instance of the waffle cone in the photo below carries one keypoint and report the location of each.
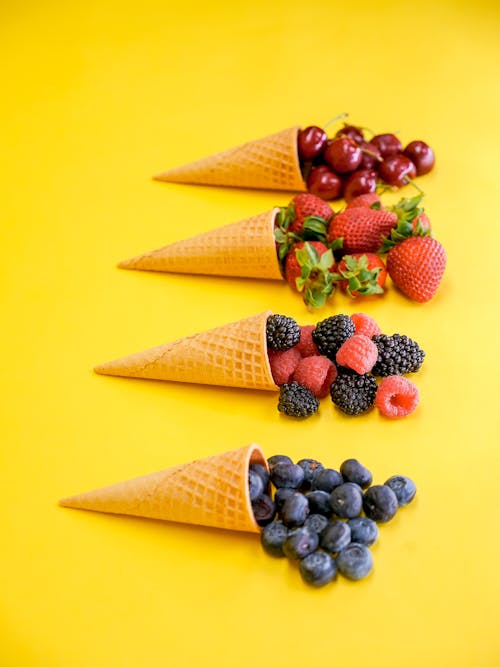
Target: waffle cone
(245, 249)
(270, 163)
(208, 492)
(232, 355)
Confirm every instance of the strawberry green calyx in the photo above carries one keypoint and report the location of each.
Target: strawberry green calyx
(283, 237)
(412, 221)
(315, 282)
(357, 278)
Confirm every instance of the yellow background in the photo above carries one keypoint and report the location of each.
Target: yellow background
(97, 97)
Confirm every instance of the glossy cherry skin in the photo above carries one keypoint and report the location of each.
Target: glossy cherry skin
(421, 155)
(323, 183)
(396, 170)
(343, 155)
(360, 182)
(353, 132)
(371, 156)
(388, 144)
(311, 142)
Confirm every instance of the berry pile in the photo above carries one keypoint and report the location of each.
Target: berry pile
(322, 518)
(351, 164)
(342, 356)
(357, 247)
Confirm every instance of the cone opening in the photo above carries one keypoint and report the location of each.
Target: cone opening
(254, 455)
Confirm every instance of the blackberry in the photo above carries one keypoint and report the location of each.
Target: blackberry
(297, 401)
(282, 332)
(354, 394)
(397, 355)
(329, 334)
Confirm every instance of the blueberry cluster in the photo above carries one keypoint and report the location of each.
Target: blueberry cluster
(322, 518)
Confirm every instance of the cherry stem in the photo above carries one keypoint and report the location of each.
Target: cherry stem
(412, 182)
(372, 154)
(335, 118)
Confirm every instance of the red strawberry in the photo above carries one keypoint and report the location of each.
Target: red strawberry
(361, 274)
(361, 228)
(416, 266)
(366, 201)
(306, 206)
(308, 269)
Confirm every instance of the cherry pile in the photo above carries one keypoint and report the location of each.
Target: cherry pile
(351, 164)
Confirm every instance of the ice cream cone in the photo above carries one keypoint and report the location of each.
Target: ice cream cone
(208, 492)
(231, 355)
(271, 163)
(245, 249)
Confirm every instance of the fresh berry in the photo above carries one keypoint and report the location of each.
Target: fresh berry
(363, 530)
(354, 394)
(387, 144)
(318, 569)
(319, 502)
(336, 536)
(262, 472)
(300, 542)
(330, 333)
(355, 561)
(361, 274)
(287, 475)
(380, 503)
(306, 346)
(255, 485)
(278, 458)
(346, 500)
(297, 401)
(295, 510)
(343, 155)
(396, 396)
(360, 182)
(306, 206)
(326, 480)
(309, 466)
(397, 170)
(264, 510)
(316, 373)
(397, 355)
(283, 363)
(281, 332)
(316, 523)
(362, 229)
(367, 200)
(403, 487)
(273, 538)
(358, 353)
(421, 155)
(353, 471)
(281, 495)
(416, 267)
(324, 183)
(365, 325)
(308, 270)
(311, 142)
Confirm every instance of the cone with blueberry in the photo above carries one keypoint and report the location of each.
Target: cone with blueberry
(213, 491)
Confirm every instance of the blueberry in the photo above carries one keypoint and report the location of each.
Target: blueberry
(295, 510)
(287, 475)
(280, 496)
(316, 523)
(353, 471)
(346, 500)
(273, 538)
(319, 502)
(318, 568)
(278, 458)
(326, 480)
(300, 542)
(255, 485)
(355, 561)
(336, 536)
(403, 487)
(262, 473)
(309, 466)
(380, 503)
(363, 530)
(264, 510)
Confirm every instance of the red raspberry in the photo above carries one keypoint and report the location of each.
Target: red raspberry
(316, 373)
(365, 325)
(396, 396)
(306, 346)
(359, 353)
(365, 201)
(283, 363)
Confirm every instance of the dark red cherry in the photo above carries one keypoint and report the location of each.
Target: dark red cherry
(388, 144)
(421, 155)
(371, 156)
(360, 182)
(323, 183)
(311, 142)
(396, 170)
(355, 133)
(343, 155)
